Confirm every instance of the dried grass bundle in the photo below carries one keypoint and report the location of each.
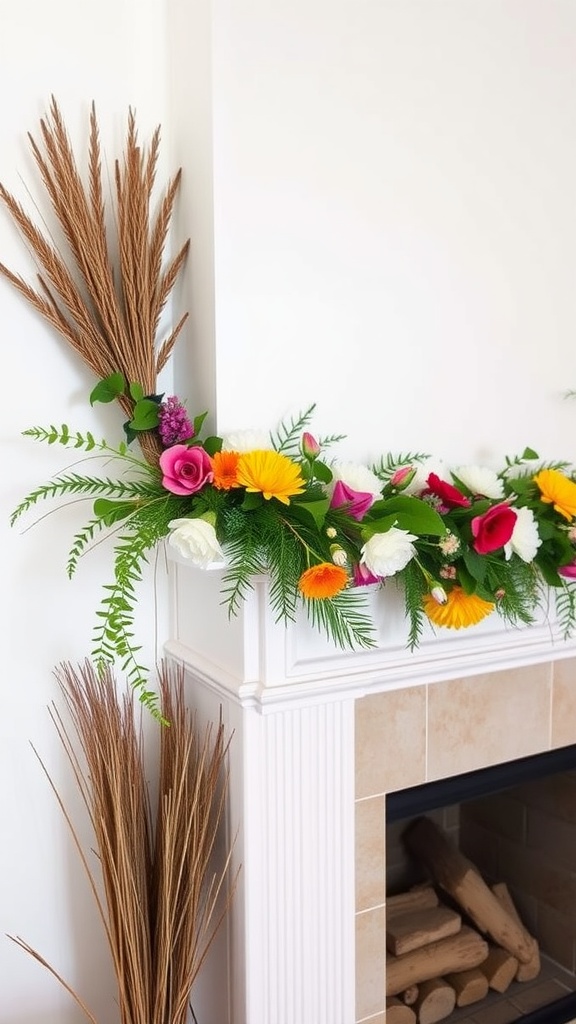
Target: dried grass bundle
(106, 306)
(162, 905)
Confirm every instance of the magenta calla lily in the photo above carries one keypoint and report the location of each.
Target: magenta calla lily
(357, 502)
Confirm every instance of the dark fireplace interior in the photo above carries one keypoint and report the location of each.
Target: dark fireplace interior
(516, 823)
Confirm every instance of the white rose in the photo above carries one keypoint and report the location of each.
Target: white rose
(358, 477)
(388, 553)
(247, 441)
(196, 540)
(525, 539)
(480, 480)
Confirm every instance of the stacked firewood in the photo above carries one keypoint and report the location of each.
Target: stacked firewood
(443, 955)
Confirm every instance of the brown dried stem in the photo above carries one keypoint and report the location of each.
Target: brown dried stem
(162, 904)
(107, 307)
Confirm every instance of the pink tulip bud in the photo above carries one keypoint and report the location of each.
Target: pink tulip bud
(310, 446)
(402, 477)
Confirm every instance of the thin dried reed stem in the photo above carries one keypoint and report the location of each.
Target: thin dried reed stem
(162, 904)
(107, 307)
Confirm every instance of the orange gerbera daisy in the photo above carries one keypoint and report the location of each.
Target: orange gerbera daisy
(225, 466)
(322, 581)
(557, 490)
(270, 473)
(459, 611)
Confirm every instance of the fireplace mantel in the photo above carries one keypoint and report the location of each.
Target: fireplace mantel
(262, 662)
(290, 702)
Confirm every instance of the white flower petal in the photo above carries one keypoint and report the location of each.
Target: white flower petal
(247, 441)
(196, 540)
(525, 539)
(480, 480)
(388, 553)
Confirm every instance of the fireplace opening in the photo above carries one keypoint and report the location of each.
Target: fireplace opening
(481, 895)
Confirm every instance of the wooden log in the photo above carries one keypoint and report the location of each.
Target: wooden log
(531, 970)
(436, 1001)
(457, 953)
(458, 877)
(405, 932)
(399, 1013)
(469, 986)
(499, 968)
(409, 995)
(416, 899)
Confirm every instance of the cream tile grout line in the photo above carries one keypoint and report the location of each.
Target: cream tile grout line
(426, 731)
(551, 703)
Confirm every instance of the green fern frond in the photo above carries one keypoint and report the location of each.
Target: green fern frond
(565, 598)
(344, 619)
(388, 464)
(287, 436)
(113, 635)
(285, 558)
(64, 436)
(73, 483)
(519, 584)
(245, 560)
(80, 543)
(326, 441)
(415, 587)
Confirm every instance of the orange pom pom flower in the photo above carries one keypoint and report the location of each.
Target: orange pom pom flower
(225, 467)
(323, 581)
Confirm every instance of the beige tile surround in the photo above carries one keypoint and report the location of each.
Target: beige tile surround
(427, 732)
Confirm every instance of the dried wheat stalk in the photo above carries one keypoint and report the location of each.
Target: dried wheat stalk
(162, 904)
(106, 306)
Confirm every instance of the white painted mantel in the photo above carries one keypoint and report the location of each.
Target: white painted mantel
(289, 698)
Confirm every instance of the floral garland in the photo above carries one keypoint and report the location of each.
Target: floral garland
(463, 545)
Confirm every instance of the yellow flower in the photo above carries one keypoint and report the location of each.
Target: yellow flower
(323, 581)
(461, 609)
(556, 489)
(270, 473)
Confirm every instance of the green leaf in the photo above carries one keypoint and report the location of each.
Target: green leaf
(136, 391)
(212, 445)
(251, 501)
(144, 415)
(530, 454)
(410, 514)
(476, 564)
(108, 389)
(549, 571)
(198, 421)
(323, 472)
(112, 511)
(369, 529)
(314, 511)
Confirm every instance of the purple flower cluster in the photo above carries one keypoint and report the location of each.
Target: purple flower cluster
(173, 422)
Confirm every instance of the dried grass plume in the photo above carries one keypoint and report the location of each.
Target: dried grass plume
(162, 902)
(105, 298)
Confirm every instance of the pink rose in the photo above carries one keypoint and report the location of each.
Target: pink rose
(185, 470)
(493, 529)
(357, 502)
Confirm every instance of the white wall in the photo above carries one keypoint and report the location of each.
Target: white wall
(387, 189)
(395, 220)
